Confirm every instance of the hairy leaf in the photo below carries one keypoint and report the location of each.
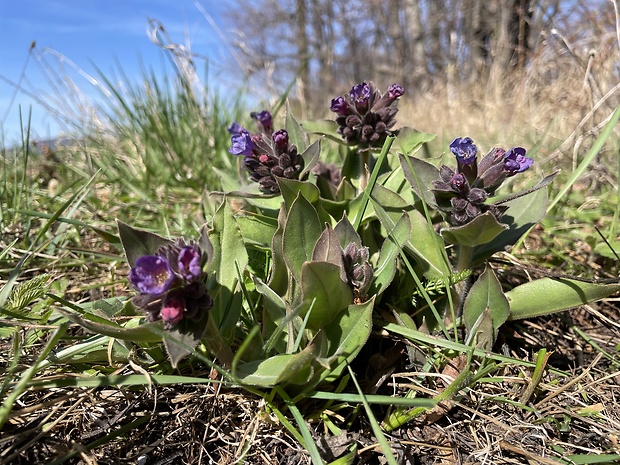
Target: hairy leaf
(546, 295)
(325, 294)
(137, 242)
(480, 230)
(485, 303)
(301, 232)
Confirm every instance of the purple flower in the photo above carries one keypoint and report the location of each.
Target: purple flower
(365, 115)
(264, 119)
(241, 143)
(395, 91)
(464, 149)
(235, 128)
(171, 283)
(340, 106)
(189, 262)
(360, 93)
(515, 161)
(152, 274)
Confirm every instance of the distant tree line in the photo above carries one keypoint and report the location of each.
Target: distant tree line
(329, 44)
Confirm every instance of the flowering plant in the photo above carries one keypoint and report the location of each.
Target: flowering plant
(285, 289)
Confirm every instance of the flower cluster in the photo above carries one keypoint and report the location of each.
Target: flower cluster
(267, 155)
(357, 270)
(171, 284)
(365, 116)
(462, 194)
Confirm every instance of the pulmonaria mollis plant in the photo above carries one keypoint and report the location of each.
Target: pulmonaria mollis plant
(171, 284)
(463, 193)
(365, 116)
(267, 155)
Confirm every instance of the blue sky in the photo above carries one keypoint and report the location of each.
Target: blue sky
(77, 36)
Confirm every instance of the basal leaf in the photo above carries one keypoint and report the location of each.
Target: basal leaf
(386, 265)
(344, 337)
(301, 232)
(485, 296)
(325, 294)
(278, 369)
(546, 295)
(141, 333)
(229, 255)
(480, 230)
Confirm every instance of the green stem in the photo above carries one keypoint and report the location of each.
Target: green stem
(465, 254)
(364, 158)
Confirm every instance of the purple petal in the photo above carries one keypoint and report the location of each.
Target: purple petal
(189, 263)
(360, 93)
(235, 128)
(515, 161)
(395, 91)
(464, 150)
(152, 274)
(340, 106)
(241, 143)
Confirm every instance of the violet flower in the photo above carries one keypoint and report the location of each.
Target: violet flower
(464, 150)
(171, 284)
(365, 116)
(515, 161)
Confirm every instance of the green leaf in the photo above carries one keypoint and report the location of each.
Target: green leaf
(301, 232)
(278, 369)
(344, 337)
(346, 233)
(229, 253)
(422, 181)
(257, 230)
(424, 243)
(290, 188)
(328, 249)
(278, 279)
(181, 340)
(324, 293)
(386, 265)
(27, 292)
(311, 157)
(523, 213)
(480, 230)
(327, 128)
(137, 242)
(142, 333)
(409, 139)
(546, 295)
(296, 134)
(485, 303)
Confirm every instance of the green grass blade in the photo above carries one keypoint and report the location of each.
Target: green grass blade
(21, 386)
(376, 428)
